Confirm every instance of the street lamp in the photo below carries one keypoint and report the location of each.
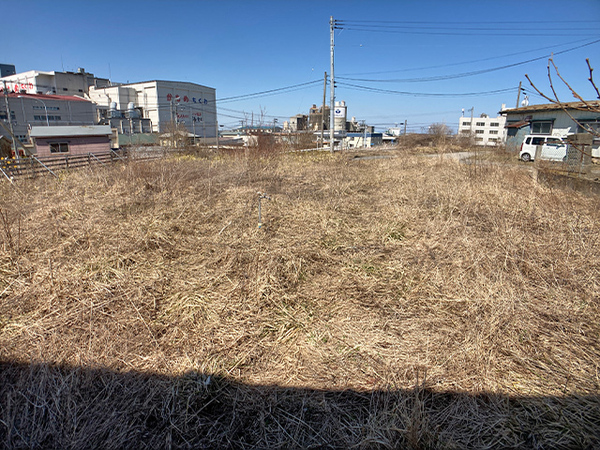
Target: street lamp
(45, 109)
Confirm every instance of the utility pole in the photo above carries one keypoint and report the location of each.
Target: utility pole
(331, 89)
(472, 109)
(323, 110)
(10, 124)
(405, 127)
(193, 124)
(173, 125)
(518, 95)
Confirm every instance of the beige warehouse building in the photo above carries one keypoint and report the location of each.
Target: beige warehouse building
(163, 103)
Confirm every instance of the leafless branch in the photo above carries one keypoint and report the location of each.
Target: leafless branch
(551, 100)
(591, 78)
(587, 105)
(575, 94)
(550, 80)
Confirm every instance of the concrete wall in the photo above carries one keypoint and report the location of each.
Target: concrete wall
(191, 104)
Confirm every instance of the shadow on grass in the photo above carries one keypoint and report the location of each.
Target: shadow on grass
(43, 406)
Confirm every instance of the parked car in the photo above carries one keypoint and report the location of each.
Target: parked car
(554, 148)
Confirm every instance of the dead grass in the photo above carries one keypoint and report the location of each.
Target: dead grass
(457, 305)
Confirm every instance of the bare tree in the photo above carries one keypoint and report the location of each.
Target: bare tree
(585, 104)
(177, 134)
(439, 131)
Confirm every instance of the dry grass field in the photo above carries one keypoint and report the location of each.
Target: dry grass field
(408, 302)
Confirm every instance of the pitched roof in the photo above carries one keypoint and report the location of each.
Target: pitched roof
(42, 97)
(72, 130)
(591, 105)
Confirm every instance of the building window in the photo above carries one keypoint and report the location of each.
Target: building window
(43, 118)
(493, 131)
(588, 125)
(480, 124)
(493, 139)
(49, 108)
(541, 127)
(479, 131)
(4, 116)
(59, 147)
(466, 124)
(494, 124)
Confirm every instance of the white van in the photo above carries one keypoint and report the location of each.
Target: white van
(554, 148)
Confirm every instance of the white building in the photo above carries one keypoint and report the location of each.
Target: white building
(488, 131)
(163, 102)
(27, 110)
(362, 140)
(57, 83)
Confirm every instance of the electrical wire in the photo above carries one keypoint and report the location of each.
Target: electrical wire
(467, 28)
(466, 62)
(465, 74)
(270, 91)
(424, 94)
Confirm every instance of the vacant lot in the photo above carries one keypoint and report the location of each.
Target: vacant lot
(410, 302)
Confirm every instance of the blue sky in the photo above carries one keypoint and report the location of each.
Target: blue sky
(387, 54)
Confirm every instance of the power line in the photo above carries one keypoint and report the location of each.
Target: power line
(449, 28)
(425, 94)
(468, 62)
(463, 22)
(269, 92)
(466, 74)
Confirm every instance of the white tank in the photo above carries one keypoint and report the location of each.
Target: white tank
(340, 116)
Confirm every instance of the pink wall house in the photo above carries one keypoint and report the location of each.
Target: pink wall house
(71, 140)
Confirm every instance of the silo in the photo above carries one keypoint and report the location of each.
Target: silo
(340, 116)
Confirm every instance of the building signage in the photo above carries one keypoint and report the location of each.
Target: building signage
(186, 99)
(18, 87)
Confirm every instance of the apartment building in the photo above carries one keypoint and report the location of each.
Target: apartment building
(487, 131)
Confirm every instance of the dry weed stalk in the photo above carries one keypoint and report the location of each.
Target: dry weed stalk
(149, 308)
